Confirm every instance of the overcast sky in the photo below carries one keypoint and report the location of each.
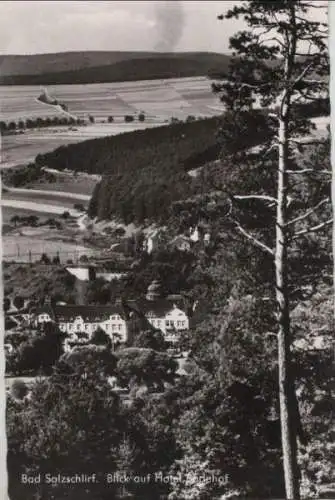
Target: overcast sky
(28, 27)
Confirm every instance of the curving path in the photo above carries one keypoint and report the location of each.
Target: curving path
(53, 194)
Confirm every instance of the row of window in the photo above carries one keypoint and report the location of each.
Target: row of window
(90, 326)
(176, 324)
(46, 317)
(169, 323)
(114, 328)
(158, 323)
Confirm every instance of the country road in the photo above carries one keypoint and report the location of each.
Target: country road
(39, 207)
(33, 193)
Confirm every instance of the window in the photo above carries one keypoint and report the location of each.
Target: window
(120, 327)
(78, 328)
(168, 323)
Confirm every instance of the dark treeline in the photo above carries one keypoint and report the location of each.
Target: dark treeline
(39, 122)
(23, 176)
(149, 68)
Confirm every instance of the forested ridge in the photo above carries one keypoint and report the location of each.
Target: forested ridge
(109, 67)
(145, 171)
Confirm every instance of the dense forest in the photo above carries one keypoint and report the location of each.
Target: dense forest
(146, 171)
(116, 68)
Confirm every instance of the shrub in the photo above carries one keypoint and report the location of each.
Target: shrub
(128, 118)
(45, 259)
(79, 206)
(18, 302)
(19, 389)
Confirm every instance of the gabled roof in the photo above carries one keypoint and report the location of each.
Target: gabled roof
(46, 309)
(157, 308)
(87, 313)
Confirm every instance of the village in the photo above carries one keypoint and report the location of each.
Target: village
(117, 321)
(168, 260)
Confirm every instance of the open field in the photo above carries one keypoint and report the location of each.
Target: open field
(159, 100)
(26, 248)
(21, 149)
(56, 208)
(47, 198)
(8, 212)
(81, 184)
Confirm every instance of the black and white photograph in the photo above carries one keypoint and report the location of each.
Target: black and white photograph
(167, 250)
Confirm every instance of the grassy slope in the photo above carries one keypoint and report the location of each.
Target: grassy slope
(92, 67)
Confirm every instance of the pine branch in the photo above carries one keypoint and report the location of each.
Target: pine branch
(305, 97)
(317, 82)
(308, 213)
(255, 86)
(273, 39)
(255, 197)
(303, 73)
(308, 171)
(254, 240)
(301, 143)
(313, 229)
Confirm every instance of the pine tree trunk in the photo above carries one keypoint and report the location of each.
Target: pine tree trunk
(332, 95)
(286, 382)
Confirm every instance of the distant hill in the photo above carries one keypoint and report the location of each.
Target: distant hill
(100, 67)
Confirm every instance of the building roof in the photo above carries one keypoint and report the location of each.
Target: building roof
(88, 313)
(46, 309)
(96, 313)
(157, 308)
(154, 290)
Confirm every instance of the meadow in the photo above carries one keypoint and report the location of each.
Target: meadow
(163, 98)
(160, 100)
(17, 249)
